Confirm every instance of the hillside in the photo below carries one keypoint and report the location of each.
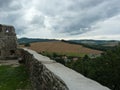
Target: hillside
(31, 40)
(90, 42)
(97, 42)
(62, 48)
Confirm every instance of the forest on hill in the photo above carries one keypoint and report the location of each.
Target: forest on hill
(101, 45)
(32, 40)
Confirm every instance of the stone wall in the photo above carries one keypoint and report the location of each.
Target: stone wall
(41, 77)
(46, 74)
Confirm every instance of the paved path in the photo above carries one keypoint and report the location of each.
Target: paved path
(9, 62)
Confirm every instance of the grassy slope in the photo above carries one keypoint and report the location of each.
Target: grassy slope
(62, 48)
(13, 78)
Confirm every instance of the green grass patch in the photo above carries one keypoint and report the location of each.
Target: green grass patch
(51, 54)
(76, 54)
(13, 78)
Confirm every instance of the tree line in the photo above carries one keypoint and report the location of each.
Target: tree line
(104, 69)
(92, 46)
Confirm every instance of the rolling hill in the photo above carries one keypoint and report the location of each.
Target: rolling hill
(32, 40)
(62, 48)
(88, 42)
(97, 42)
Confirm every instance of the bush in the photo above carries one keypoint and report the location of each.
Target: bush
(27, 45)
(104, 69)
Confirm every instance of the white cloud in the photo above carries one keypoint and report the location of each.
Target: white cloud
(108, 29)
(66, 19)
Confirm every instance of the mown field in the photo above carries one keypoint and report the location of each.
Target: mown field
(62, 48)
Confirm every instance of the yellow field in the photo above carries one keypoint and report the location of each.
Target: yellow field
(62, 48)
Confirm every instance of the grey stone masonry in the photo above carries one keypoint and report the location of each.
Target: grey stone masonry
(41, 77)
(8, 42)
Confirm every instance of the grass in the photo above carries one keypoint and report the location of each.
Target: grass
(76, 54)
(67, 54)
(14, 78)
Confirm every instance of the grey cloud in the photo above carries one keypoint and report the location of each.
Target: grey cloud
(13, 19)
(38, 20)
(54, 7)
(10, 14)
(9, 5)
(4, 3)
(84, 4)
(95, 12)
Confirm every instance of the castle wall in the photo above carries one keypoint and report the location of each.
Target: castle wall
(46, 74)
(8, 42)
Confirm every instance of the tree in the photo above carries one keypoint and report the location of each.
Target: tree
(27, 45)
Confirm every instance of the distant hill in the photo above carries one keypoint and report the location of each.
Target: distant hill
(97, 42)
(102, 45)
(63, 48)
(32, 40)
(90, 42)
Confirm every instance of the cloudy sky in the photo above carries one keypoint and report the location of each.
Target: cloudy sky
(63, 19)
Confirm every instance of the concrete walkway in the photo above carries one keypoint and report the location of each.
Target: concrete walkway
(14, 63)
